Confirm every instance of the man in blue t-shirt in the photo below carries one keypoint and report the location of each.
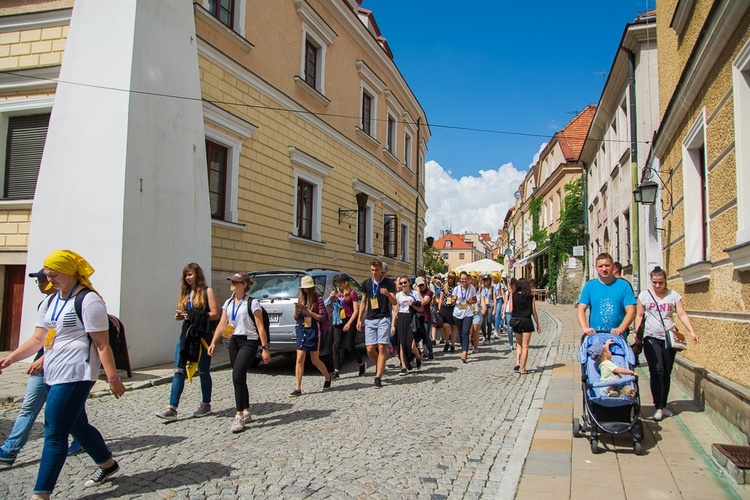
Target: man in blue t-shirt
(611, 301)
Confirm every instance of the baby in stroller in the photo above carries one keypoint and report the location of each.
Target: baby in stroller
(601, 354)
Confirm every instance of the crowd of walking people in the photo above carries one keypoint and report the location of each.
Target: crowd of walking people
(399, 318)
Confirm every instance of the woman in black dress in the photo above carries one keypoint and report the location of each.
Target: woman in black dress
(522, 307)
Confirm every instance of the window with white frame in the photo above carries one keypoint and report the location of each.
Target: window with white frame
(317, 35)
(559, 204)
(404, 242)
(390, 235)
(695, 182)
(371, 86)
(23, 131)
(223, 159)
(407, 150)
(364, 229)
(390, 140)
(741, 89)
(230, 13)
(308, 198)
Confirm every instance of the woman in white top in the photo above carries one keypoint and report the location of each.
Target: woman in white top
(245, 334)
(408, 303)
(464, 295)
(653, 306)
(76, 344)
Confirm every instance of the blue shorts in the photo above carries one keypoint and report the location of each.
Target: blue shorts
(378, 331)
(477, 319)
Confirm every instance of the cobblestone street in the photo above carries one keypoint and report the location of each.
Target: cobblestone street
(449, 430)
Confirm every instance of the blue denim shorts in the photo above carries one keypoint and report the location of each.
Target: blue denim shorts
(377, 331)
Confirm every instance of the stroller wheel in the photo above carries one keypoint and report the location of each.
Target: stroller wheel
(638, 448)
(638, 431)
(594, 446)
(576, 427)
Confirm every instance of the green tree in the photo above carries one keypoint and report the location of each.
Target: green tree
(432, 260)
(567, 235)
(500, 258)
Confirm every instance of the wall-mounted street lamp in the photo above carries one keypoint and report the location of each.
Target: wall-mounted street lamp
(646, 193)
(430, 241)
(361, 204)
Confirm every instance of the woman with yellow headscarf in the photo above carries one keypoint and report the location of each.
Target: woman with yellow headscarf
(74, 349)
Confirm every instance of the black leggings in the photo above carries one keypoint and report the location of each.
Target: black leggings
(241, 353)
(660, 362)
(340, 337)
(405, 335)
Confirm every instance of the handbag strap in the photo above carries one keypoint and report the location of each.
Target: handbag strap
(667, 340)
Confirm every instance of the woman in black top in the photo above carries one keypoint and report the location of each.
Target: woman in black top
(522, 307)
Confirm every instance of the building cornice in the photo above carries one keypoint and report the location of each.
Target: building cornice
(35, 20)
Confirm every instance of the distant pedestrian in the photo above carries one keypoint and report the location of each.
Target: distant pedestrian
(405, 323)
(246, 334)
(427, 299)
(498, 299)
(378, 299)
(476, 319)
(74, 350)
(312, 324)
(35, 396)
(523, 307)
(464, 296)
(344, 304)
(447, 305)
(197, 308)
(485, 307)
(657, 307)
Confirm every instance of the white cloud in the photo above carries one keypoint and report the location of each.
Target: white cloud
(471, 203)
(536, 156)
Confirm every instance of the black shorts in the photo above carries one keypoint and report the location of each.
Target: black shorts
(447, 313)
(522, 325)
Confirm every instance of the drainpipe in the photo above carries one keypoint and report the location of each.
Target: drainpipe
(416, 204)
(585, 235)
(635, 219)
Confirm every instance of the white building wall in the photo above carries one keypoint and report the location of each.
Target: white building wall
(121, 168)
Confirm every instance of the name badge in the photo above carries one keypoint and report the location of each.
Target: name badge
(342, 314)
(374, 303)
(228, 332)
(307, 322)
(50, 339)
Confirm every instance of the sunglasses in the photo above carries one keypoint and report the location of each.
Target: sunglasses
(403, 283)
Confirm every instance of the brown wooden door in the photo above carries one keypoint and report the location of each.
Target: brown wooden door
(12, 304)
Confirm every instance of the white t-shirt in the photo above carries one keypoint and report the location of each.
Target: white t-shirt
(405, 300)
(73, 356)
(238, 318)
(667, 306)
(463, 308)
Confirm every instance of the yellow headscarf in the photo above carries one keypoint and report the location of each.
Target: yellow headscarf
(70, 263)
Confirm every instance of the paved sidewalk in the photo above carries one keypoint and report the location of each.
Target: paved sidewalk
(677, 458)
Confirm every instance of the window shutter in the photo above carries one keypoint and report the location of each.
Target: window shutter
(23, 156)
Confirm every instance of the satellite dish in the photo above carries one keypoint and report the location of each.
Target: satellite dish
(532, 245)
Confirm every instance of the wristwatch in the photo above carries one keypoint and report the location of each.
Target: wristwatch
(264, 347)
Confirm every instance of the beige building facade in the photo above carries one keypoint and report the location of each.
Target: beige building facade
(304, 109)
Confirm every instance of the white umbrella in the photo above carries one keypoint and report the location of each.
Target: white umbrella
(483, 266)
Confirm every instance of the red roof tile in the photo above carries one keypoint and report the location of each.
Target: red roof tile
(457, 243)
(573, 135)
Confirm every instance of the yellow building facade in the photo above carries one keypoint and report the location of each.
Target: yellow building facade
(304, 109)
(701, 150)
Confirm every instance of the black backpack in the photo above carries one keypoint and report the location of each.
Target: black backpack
(266, 321)
(116, 328)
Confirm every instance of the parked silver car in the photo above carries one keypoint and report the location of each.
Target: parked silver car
(278, 290)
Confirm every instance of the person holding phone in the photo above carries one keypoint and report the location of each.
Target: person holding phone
(312, 323)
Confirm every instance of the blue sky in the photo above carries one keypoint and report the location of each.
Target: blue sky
(517, 67)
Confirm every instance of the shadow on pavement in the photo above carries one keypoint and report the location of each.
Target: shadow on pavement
(257, 409)
(291, 417)
(141, 443)
(169, 477)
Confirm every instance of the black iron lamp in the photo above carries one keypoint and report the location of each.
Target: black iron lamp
(361, 204)
(430, 241)
(646, 193)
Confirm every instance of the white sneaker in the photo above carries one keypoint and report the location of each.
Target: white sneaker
(658, 415)
(246, 417)
(238, 425)
(666, 413)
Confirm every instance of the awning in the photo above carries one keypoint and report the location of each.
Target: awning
(523, 261)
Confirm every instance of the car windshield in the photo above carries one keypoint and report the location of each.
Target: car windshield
(276, 286)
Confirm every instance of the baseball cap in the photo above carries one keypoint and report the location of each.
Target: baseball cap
(40, 275)
(420, 281)
(595, 351)
(238, 277)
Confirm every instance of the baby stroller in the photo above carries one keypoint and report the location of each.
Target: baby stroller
(602, 413)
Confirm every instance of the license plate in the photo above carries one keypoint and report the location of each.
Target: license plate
(274, 318)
